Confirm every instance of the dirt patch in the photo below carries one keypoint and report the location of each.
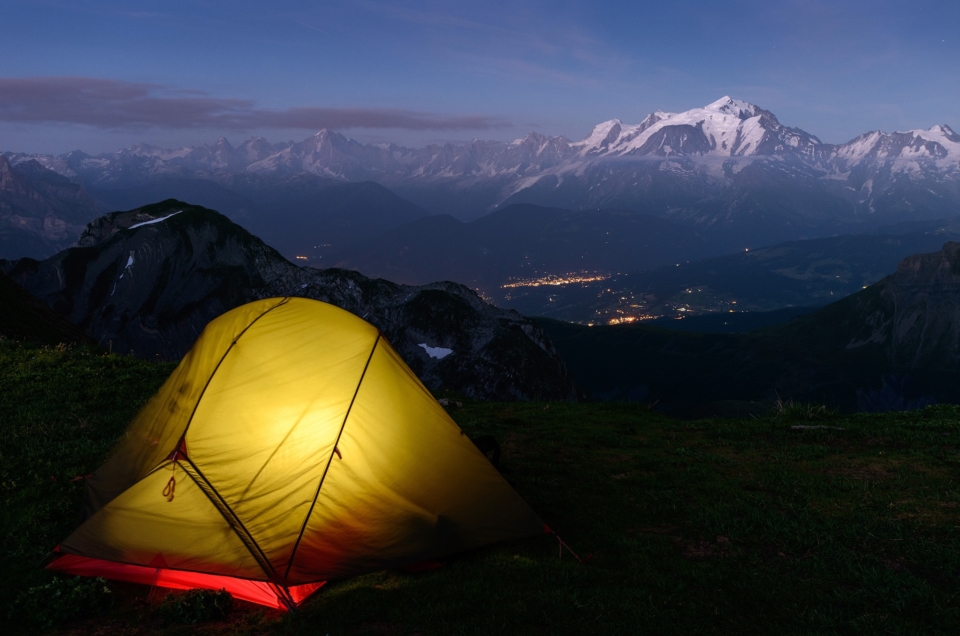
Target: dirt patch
(665, 529)
(884, 442)
(929, 513)
(862, 471)
(930, 575)
(514, 445)
(701, 549)
(382, 629)
(770, 552)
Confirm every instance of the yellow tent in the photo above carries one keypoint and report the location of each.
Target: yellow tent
(292, 445)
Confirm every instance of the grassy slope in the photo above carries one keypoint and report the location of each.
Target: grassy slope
(723, 526)
(689, 373)
(60, 412)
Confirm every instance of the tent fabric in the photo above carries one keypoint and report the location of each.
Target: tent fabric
(260, 592)
(292, 445)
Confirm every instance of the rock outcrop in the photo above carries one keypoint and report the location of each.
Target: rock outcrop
(23, 317)
(919, 314)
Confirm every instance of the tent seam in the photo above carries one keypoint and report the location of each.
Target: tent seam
(233, 342)
(218, 509)
(333, 451)
(245, 536)
(183, 435)
(234, 521)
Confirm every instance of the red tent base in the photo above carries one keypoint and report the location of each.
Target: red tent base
(260, 592)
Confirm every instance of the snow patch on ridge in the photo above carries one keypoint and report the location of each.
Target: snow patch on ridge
(938, 143)
(151, 222)
(436, 352)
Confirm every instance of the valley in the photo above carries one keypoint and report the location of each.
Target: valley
(891, 346)
(797, 274)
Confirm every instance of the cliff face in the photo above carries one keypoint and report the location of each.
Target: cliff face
(40, 210)
(891, 346)
(913, 315)
(924, 295)
(148, 281)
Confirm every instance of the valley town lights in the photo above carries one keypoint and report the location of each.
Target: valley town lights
(551, 279)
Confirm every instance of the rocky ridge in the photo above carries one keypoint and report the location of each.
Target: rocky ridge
(147, 281)
(914, 314)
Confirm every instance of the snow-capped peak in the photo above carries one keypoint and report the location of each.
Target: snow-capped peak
(602, 132)
(530, 138)
(942, 134)
(653, 118)
(727, 127)
(936, 143)
(736, 107)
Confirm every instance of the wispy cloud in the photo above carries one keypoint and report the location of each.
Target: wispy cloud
(118, 104)
(520, 69)
(511, 40)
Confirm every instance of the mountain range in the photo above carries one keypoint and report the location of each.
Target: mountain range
(299, 214)
(729, 170)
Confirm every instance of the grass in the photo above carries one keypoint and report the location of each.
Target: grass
(61, 409)
(847, 525)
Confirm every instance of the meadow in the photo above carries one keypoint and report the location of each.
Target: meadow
(799, 521)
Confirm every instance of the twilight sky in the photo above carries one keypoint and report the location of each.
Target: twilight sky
(99, 75)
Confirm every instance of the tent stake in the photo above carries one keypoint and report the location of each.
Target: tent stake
(569, 549)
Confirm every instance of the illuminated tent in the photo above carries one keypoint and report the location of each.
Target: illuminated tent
(292, 445)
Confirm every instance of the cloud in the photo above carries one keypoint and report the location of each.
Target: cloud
(546, 44)
(519, 69)
(118, 104)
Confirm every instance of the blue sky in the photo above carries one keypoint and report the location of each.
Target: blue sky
(100, 75)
